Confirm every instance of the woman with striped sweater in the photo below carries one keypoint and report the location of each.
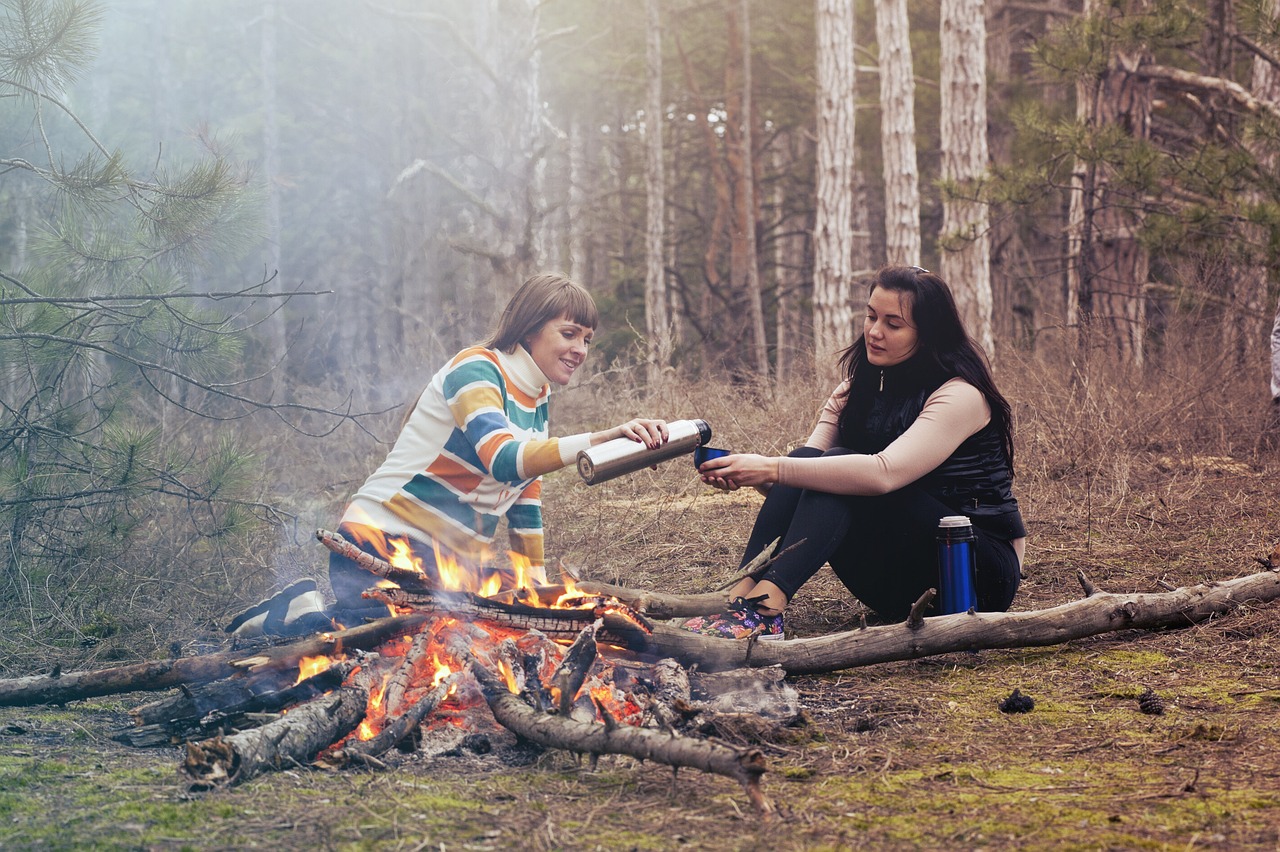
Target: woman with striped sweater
(470, 455)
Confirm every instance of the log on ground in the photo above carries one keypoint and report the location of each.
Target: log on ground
(746, 766)
(1100, 612)
(293, 739)
(165, 674)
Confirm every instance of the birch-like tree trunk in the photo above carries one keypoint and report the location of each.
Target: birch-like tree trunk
(898, 134)
(966, 256)
(747, 207)
(1107, 266)
(1266, 87)
(833, 231)
(657, 321)
(788, 264)
(277, 333)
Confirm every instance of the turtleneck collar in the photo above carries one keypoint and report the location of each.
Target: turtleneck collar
(524, 371)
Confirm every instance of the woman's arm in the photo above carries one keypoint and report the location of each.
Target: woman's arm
(474, 391)
(950, 415)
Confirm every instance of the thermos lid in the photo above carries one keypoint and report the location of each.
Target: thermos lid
(951, 521)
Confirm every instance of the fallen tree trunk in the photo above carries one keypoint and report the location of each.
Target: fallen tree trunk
(1099, 612)
(1095, 614)
(293, 739)
(746, 766)
(59, 688)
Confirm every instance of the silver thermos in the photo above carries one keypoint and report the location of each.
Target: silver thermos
(622, 455)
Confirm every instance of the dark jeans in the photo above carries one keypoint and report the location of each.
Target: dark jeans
(349, 581)
(882, 548)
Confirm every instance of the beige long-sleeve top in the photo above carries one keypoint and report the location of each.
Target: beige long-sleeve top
(951, 414)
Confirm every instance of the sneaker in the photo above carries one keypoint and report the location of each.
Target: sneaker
(742, 619)
(297, 610)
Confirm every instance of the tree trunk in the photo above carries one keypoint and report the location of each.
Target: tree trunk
(748, 207)
(277, 331)
(898, 134)
(789, 251)
(1106, 265)
(657, 322)
(833, 232)
(966, 256)
(1266, 87)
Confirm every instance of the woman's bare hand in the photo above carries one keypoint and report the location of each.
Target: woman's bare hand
(651, 433)
(731, 472)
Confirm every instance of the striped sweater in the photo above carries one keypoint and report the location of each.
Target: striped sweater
(471, 453)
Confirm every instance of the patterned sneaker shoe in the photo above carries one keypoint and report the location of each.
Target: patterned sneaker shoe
(742, 619)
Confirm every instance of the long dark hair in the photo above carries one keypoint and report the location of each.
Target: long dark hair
(944, 351)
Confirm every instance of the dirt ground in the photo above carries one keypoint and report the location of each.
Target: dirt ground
(1163, 739)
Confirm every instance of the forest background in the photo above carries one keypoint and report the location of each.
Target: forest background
(236, 237)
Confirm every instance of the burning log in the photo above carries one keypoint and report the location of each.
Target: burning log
(59, 688)
(293, 739)
(403, 578)
(575, 666)
(394, 731)
(1099, 612)
(622, 625)
(746, 766)
(229, 703)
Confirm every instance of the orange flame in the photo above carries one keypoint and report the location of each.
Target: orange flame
(504, 668)
(310, 666)
(442, 672)
(374, 712)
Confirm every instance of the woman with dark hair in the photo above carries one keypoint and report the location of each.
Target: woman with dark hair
(916, 431)
(471, 454)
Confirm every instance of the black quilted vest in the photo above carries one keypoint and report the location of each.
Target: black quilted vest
(976, 480)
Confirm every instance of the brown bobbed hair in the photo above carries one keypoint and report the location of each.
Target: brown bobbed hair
(541, 299)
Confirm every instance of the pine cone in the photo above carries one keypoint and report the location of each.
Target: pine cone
(1150, 703)
(1017, 703)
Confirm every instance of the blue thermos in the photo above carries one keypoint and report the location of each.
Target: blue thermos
(957, 557)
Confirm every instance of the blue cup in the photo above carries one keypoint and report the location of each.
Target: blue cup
(702, 454)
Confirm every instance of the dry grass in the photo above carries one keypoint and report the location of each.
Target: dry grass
(1138, 483)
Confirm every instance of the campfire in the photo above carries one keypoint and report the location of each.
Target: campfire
(555, 665)
(586, 667)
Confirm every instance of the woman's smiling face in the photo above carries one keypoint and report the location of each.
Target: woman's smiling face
(888, 330)
(559, 348)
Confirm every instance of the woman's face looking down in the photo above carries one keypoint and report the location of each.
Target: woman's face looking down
(559, 348)
(888, 330)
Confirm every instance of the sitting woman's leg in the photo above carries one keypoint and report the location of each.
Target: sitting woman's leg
(811, 525)
(890, 558)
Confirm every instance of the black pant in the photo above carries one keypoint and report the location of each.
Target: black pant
(349, 581)
(882, 548)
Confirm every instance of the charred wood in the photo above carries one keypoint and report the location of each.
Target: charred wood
(576, 665)
(395, 729)
(166, 674)
(746, 766)
(235, 702)
(294, 739)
